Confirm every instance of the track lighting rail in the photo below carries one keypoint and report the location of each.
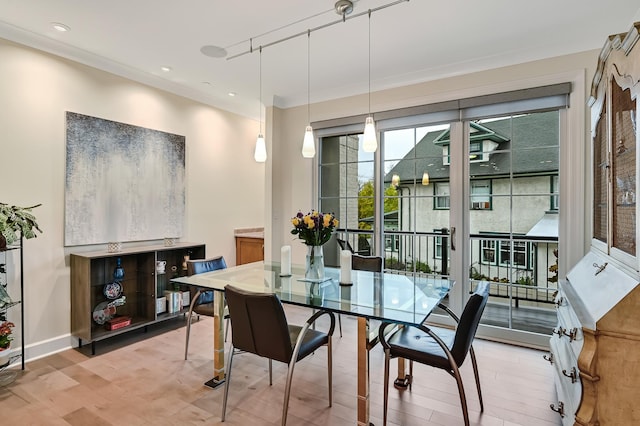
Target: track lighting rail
(344, 18)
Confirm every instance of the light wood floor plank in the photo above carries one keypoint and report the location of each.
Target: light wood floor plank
(142, 379)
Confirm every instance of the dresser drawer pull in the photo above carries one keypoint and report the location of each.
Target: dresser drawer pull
(548, 357)
(573, 375)
(559, 332)
(560, 409)
(573, 333)
(600, 268)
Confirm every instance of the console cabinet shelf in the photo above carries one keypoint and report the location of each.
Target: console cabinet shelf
(140, 276)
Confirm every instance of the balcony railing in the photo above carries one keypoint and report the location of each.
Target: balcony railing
(520, 268)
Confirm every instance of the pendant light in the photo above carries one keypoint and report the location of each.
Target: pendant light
(369, 140)
(308, 143)
(260, 154)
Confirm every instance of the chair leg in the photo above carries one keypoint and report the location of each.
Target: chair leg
(287, 392)
(385, 385)
(270, 372)
(463, 399)
(340, 324)
(477, 377)
(226, 384)
(186, 343)
(330, 370)
(410, 374)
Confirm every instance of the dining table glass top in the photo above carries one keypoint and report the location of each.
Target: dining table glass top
(383, 296)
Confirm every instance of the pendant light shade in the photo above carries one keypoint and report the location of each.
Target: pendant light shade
(260, 154)
(425, 178)
(369, 140)
(308, 144)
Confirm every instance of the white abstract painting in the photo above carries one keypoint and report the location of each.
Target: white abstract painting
(122, 183)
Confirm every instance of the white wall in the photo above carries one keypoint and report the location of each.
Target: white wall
(225, 186)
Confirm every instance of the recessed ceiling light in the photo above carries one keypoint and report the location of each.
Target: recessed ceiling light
(165, 69)
(232, 94)
(213, 51)
(60, 27)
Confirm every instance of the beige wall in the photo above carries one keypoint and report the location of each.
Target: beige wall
(224, 190)
(296, 175)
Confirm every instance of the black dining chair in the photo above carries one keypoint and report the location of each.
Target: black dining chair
(202, 300)
(259, 326)
(366, 263)
(344, 245)
(438, 347)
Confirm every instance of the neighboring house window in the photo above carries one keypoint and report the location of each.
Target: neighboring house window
(438, 248)
(489, 252)
(480, 194)
(555, 182)
(519, 256)
(441, 199)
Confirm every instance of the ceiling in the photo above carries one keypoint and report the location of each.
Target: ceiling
(411, 41)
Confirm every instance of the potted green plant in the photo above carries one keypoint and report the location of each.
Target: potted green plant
(5, 342)
(14, 221)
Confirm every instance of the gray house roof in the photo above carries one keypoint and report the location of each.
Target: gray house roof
(521, 148)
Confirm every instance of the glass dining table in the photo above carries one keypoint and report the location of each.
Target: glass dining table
(387, 297)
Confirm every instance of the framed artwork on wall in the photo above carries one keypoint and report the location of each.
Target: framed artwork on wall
(122, 182)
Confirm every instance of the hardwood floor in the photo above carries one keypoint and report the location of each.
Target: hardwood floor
(142, 379)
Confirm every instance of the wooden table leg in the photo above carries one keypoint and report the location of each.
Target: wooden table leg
(403, 379)
(218, 341)
(402, 382)
(363, 372)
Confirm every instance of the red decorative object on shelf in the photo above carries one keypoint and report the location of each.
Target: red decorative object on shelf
(118, 322)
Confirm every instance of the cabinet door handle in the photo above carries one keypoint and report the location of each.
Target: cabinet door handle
(573, 333)
(548, 357)
(573, 375)
(560, 302)
(559, 332)
(600, 268)
(560, 409)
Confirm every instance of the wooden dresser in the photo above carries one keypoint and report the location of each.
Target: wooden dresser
(595, 349)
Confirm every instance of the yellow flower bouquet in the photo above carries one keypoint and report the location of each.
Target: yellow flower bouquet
(314, 228)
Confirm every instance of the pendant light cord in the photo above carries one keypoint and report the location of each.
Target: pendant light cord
(369, 62)
(261, 90)
(309, 76)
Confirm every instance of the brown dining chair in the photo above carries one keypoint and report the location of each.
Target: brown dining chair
(259, 326)
(438, 347)
(202, 300)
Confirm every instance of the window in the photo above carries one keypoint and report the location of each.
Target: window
(517, 258)
(480, 194)
(489, 252)
(554, 192)
(441, 199)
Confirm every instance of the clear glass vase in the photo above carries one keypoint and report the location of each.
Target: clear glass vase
(314, 269)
